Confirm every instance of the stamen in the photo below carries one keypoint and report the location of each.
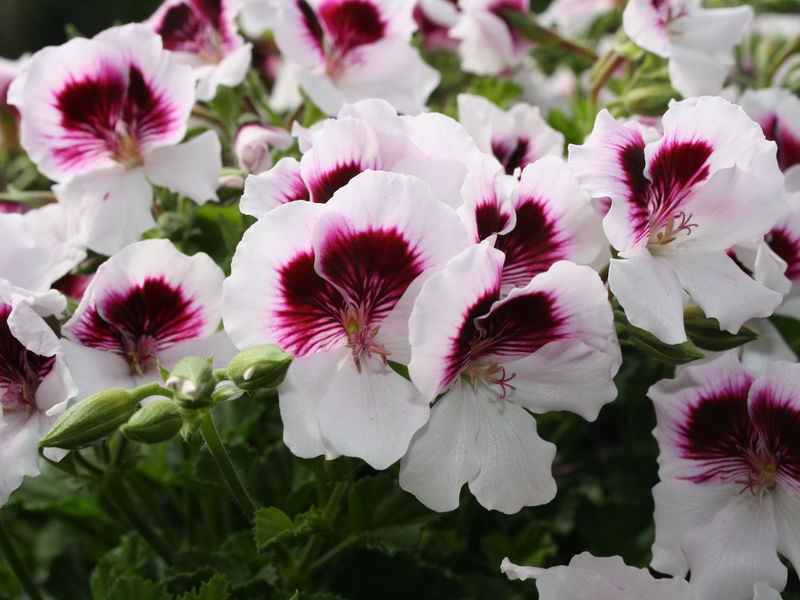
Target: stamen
(360, 336)
(494, 374)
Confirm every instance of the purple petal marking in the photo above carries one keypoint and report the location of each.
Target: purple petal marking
(777, 422)
(351, 23)
(632, 163)
(786, 245)
(461, 345)
(371, 269)
(512, 156)
(489, 219)
(110, 112)
(313, 25)
(21, 371)
(788, 148)
(141, 321)
(324, 185)
(197, 27)
(532, 246)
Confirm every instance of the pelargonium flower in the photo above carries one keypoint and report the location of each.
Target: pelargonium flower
(202, 34)
(537, 220)
(590, 577)
(253, 143)
(103, 117)
(35, 385)
(434, 19)
(367, 135)
(574, 17)
(516, 137)
(677, 205)
(355, 49)
(729, 497)
(148, 303)
(333, 284)
(697, 41)
(549, 345)
(777, 110)
(488, 46)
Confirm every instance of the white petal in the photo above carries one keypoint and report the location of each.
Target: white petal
(651, 295)
(443, 455)
(190, 169)
(281, 184)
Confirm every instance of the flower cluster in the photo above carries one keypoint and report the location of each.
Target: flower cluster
(439, 284)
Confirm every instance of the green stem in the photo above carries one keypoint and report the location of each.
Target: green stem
(22, 573)
(214, 443)
(525, 24)
(343, 545)
(119, 496)
(151, 389)
(781, 57)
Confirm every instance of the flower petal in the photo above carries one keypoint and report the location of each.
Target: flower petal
(190, 169)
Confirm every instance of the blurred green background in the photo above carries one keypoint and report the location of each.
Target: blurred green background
(27, 25)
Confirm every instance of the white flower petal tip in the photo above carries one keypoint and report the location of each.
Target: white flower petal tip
(730, 476)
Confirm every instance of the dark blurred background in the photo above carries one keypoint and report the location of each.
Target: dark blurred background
(27, 25)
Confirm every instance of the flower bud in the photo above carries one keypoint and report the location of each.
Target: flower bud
(192, 380)
(649, 100)
(156, 422)
(90, 420)
(259, 367)
(253, 143)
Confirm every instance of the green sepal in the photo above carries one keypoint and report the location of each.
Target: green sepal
(158, 421)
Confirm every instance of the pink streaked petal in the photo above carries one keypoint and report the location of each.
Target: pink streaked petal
(341, 149)
(112, 208)
(147, 298)
(642, 22)
(299, 33)
(554, 221)
(703, 425)
(774, 407)
(299, 396)
(351, 23)
(281, 184)
(720, 287)
(515, 463)
(487, 207)
(371, 412)
(274, 295)
(385, 233)
(441, 327)
(443, 456)
(651, 295)
(745, 527)
(191, 169)
(611, 164)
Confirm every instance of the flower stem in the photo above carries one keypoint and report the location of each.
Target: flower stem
(781, 57)
(525, 24)
(214, 443)
(119, 496)
(150, 389)
(16, 564)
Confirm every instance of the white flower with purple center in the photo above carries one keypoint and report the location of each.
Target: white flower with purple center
(253, 143)
(516, 137)
(697, 41)
(487, 45)
(729, 497)
(536, 220)
(147, 304)
(104, 117)
(590, 577)
(35, 386)
(367, 135)
(549, 345)
(202, 34)
(777, 110)
(677, 205)
(355, 49)
(334, 284)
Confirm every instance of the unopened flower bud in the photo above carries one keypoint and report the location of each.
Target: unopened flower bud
(260, 367)
(90, 420)
(192, 380)
(253, 143)
(158, 421)
(650, 100)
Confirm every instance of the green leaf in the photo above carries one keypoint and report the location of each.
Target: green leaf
(215, 588)
(137, 588)
(671, 354)
(272, 525)
(500, 91)
(706, 333)
(126, 560)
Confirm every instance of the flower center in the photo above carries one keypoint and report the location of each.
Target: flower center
(361, 336)
(670, 231)
(126, 148)
(763, 467)
(493, 375)
(140, 353)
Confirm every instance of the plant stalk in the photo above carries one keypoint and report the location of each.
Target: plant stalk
(16, 564)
